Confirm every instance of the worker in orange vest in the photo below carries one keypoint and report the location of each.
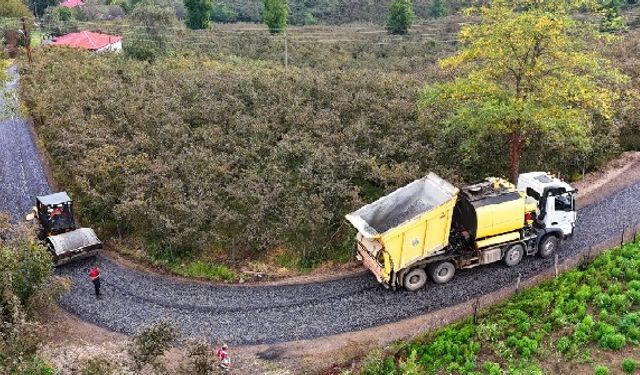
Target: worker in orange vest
(223, 356)
(94, 274)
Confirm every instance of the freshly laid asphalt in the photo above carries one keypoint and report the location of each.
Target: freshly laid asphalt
(22, 176)
(270, 314)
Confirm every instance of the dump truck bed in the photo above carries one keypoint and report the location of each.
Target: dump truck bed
(410, 223)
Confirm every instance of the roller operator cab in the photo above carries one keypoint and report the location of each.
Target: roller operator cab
(58, 230)
(429, 228)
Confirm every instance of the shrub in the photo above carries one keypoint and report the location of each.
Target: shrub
(201, 359)
(629, 365)
(492, 368)
(601, 370)
(437, 9)
(198, 13)
(563, 345)
(613, 341)
(221, 13)
(151, 342)
(400, 17)
(276, 14)
(98, 366)
(25, 282)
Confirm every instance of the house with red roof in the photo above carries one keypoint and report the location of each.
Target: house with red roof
(89, 40)
(71, 3)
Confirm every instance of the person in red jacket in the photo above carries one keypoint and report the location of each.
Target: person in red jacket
(223, 356)
(94, 274)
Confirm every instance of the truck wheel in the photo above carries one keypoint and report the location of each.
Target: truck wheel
(441, 272)
(513, 255)
(548, 246)
(415, 279)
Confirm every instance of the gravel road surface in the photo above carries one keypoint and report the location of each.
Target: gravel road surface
(270, 314)
(21, 173)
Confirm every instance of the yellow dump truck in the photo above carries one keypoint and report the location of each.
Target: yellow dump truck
(431, 228)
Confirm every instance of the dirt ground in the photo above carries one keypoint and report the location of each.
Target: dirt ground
(70, 341)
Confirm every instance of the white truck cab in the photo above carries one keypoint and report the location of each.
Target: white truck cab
(556, 200)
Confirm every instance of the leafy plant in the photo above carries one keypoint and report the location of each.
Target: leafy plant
(601, 370)
(151, 342)
(401, 16)
(276, 14)
(629, 365)
(198, 13)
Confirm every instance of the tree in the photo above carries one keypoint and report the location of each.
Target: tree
(524, 76)
(39, 6)
(198, 13)
(150, 39)
(612, 20)
(276, 15)
(222, 13)
(437, 9)
(400, 17)
(14, 9)
(60, 21)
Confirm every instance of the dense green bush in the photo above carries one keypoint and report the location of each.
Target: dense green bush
(629, 365)
(25, 282)
(276, 15)
(601, 370)
(400, 17)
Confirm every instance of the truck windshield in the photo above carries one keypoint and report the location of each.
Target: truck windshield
(564, 202)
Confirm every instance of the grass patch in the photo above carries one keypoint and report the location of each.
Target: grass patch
(597, 307)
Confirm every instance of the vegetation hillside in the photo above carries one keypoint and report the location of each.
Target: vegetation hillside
(231, 158)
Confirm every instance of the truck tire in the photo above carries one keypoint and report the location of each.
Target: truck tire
(441, 272)
(513, 255)
(415, 279)
(548, 246)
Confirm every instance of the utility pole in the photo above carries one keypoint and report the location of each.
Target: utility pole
(286, 56)
(25, 31)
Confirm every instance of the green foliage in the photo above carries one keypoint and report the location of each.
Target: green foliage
(438, 9)
(14, 9)
(310, 19)
(276, 15)
(400, 17)
(221, 13)
(198, 13)
(203, 269)
(151, 342)
(25, 281)
(492, 368)
(524, 75)
(59, 21)
(601, 370)
(38, 7)
(629, 365)
(201, 359)
(150, 38)
(613, 20)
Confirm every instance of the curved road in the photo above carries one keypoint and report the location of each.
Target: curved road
(271, 314)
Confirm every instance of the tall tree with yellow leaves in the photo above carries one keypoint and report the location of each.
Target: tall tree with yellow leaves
(526, 70)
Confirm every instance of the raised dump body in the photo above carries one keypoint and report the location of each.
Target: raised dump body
(409, 224)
